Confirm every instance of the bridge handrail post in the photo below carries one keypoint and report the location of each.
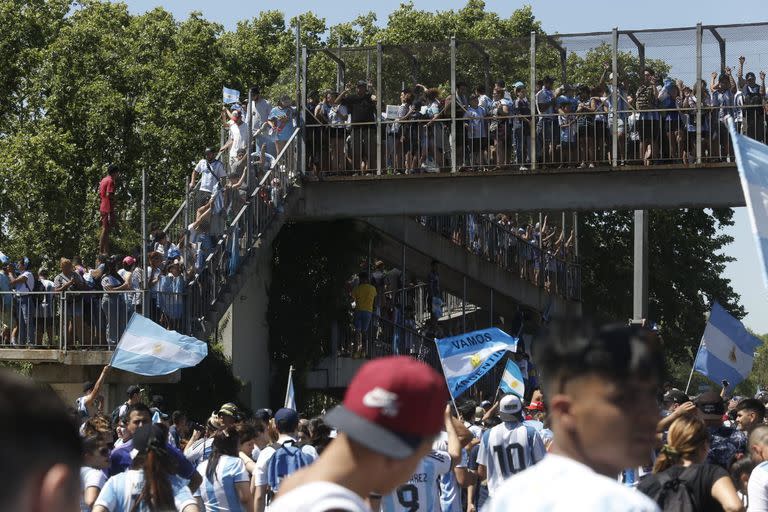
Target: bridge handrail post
(615, 97)
(699, 93)
(454, 152)
(379, 166)
(532, 93)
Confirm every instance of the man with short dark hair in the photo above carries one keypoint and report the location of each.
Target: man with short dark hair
(600, 391)
(287, 424)
(41, 454)
(137, 416)
(750, 413)
(107, 206)
(85, 405)
(134, 397)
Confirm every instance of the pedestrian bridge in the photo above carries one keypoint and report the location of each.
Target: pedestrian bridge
(625, 188)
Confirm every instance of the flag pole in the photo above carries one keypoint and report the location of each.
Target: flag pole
(453, 400)
(693, 366)
(288, 384)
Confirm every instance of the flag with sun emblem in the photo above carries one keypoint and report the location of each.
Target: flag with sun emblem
(147, 348)
(512, 379)
(727, 349)
(467, 357)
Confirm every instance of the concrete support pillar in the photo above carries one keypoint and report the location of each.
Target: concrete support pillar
(244, 333)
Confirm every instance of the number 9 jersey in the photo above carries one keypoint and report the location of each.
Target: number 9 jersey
(421, 493)
(507, 449)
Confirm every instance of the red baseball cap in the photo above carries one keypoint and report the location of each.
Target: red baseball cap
(391, 406)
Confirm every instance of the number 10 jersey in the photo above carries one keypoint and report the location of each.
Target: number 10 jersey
(507, 449)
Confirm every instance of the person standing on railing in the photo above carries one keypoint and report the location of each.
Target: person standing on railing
(211, 170)
(362, 113)
(107, 206)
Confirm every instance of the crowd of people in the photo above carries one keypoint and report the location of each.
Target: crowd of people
(657, 123)
(601, 434)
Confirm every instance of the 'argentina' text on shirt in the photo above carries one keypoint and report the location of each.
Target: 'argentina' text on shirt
(418, 477)
(469, 341)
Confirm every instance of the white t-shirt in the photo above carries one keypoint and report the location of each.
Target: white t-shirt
(90, 477)
(261, 109)
(28, 284)
(118, 493)
(450, 492)
(420, 493)
(210, 173)
(507, 449)
(560, 484)
(238, 134)
(319, 497)
(757, 489)
(220, 494)
(262, 463)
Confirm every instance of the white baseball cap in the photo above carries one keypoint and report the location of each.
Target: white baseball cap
(510, 407)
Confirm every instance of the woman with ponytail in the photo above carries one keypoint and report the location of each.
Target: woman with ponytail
(681, 462)
(226, 482)
(151, 485)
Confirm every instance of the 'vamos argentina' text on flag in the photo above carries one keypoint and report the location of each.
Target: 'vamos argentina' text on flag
(467, 357)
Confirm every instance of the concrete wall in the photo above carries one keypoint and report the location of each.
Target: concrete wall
(244, 331)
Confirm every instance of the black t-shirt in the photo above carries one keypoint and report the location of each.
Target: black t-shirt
(362, 109)
(699, 478)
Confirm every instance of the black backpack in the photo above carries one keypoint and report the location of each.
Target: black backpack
(674, 493)
(752, 96)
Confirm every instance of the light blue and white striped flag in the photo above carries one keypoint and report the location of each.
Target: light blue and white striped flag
(467, 357)
(147, 348)
(512, 379)
(290, 395)
(752, 161)
(727, 349)
(230, 95)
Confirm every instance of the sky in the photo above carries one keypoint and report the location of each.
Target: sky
(555, 16)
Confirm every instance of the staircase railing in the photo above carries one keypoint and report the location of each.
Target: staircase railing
(222, 260)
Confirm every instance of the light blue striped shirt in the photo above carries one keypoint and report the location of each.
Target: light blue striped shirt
(219, 494)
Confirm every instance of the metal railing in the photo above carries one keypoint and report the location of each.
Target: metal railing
(546, 264)
(220, 255)
(620, 117)
(77, 320)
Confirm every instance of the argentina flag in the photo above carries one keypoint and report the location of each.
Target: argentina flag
(467, 357)
(752, 161)
(147, 348)
(512, 379)
(290, 394)
(230, 95)
(727, 349)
